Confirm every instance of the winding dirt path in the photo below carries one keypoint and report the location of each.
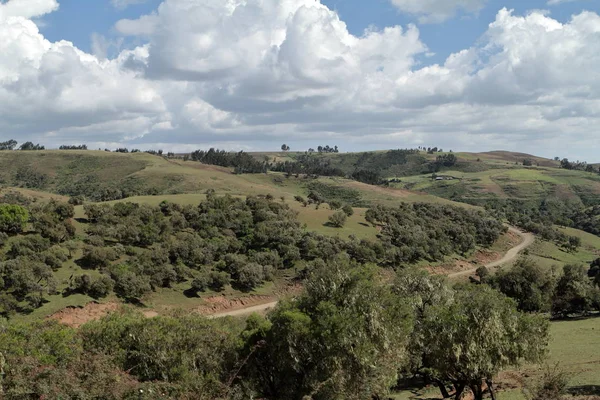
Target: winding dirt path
(527, 240)
(245, 311)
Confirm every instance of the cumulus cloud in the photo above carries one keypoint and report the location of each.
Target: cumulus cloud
(250, 73)
(436, 11)
(27, 8)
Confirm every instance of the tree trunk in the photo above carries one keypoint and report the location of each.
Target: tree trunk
(490, 385)
(443, 389)
(477, 391)
(460, 388)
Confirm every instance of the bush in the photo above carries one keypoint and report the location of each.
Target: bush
(338, 219)
(551, 386)
(218, 280)
(348, 210)
(335, 205)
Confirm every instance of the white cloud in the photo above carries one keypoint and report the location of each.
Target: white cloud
(557, 2)
(436, 11)
(251, 73)
(123, 4)
(27, 8)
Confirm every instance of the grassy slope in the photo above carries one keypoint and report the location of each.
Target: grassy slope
(496, 175)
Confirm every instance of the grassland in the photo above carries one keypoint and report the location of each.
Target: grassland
(482, 176)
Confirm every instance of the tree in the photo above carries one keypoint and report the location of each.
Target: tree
(27, 146)
(528, 284)
(338, 219)
(575, 293)
(477, 335)
(13, 218)
(8, 145)
(348, 210)
(344, 338)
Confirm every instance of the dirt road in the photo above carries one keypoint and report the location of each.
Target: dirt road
(245, 311)
(527, 240)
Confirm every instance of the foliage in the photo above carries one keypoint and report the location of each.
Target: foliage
(551, 386)
(477, 335)
(8, 145)
(342, 339)
(73, 147)
(31, 146)
(528, 284)
(243, 163)
(13, 218)
(575, 293)
(338, 219)
(421, 231)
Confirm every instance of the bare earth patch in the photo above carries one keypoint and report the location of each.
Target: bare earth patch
(77, 316)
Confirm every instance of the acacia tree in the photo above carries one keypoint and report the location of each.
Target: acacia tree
(477, 335)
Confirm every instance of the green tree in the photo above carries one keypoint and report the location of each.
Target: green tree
(348, 210)
(13, 218)
(479, 334)
(344, 338)
(338, 219)
(575, 293)
(530, 285)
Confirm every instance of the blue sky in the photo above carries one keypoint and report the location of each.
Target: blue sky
(470, 75)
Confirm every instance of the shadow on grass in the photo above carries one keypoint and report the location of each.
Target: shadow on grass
(585, 390)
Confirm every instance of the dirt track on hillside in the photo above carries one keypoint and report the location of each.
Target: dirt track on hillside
(527, 240)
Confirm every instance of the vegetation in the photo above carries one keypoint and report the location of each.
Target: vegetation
(367, 320)
(241, 162)
(357, 326)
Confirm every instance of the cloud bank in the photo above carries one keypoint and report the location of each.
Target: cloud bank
(248, 74)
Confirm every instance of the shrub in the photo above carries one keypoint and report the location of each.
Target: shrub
(338, 219)
(348, 210)
(218, 280)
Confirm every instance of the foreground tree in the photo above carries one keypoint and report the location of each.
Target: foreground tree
(344, 338)
(476, 336)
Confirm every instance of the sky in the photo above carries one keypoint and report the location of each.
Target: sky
(180, 75)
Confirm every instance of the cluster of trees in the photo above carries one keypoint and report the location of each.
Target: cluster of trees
(73, 147)
(349, 335)
(540, 217)
(308, 165)
(12, 144)
(421, 231)
(242, 163)
(30, 146)
(28, 263)
(578, 165)
(446, 160)
(325, 149)
(222, 241)
(572, 291)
